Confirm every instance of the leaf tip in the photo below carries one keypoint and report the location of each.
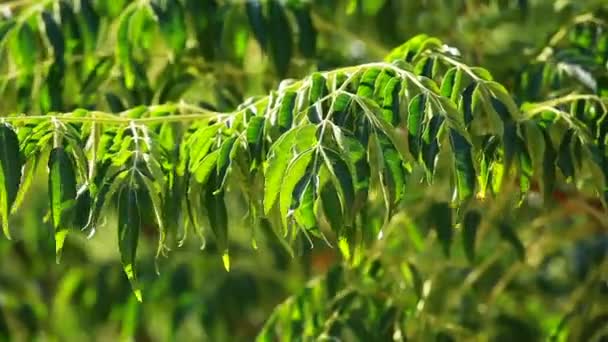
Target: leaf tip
(226, 260)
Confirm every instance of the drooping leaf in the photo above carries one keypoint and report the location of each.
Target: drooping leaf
(470, 223)
(224, 160)
(218, 218)
(172, 24)
(507, 233)
(342, 179)
(123, 49)
(255, 135)
(304, 213)
(54, 35)
(463, 166)
(307, 34)
(281, 40)
(257, 21)
(565, 159)
(62, 195)
(129, 224)
(416, 114)
(10, 173)
(441, 217)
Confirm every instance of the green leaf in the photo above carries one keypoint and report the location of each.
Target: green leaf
(507, 233)
(54, 35)
(224, 160)
(257, 21)
(203, 170)
(331, 208)
(390, 106)
(430, 144)
(286, 111)
(173, 24)
(395, 174)
(342, 179)
(123, 48)
(129, 224)
(280, 155)
(62, 195)
(25, 48)
(415, 119)
(255, 139)
(298, 168)
(10, 173)
(305, 213)
(318, 90)
(281, 40)
(218, 217)
(463, 166)
(307, 34)
(548, 169)
(565, 159)
(368, 80)
(155, 196)
(441, 217)
(97, 75)
(470, 223)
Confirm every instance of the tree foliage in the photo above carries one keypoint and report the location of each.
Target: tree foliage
(452, 192)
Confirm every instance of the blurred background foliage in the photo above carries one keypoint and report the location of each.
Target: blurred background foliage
(59, 55)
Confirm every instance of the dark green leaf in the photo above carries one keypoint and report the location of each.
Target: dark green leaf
(441, 216)
(286, 111)
(307, 37)
(62, 195)
(54, 35)
(129, 224)
(342, 179)
(470, 223)
(257, 21)
(281, 40)
(318, 90)
(173, 24)
(415, 119)
(390, 108)
(255, 135)
(507, 233)
(10, 173)
(224, 160)
(463, 166)
(218, 218)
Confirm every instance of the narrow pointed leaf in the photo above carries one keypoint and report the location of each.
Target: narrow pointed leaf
(129, 224)
(62, 195)
(10, 174)
(471, 222)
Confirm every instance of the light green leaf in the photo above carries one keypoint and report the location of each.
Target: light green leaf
(297, 169)
(280, 155)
